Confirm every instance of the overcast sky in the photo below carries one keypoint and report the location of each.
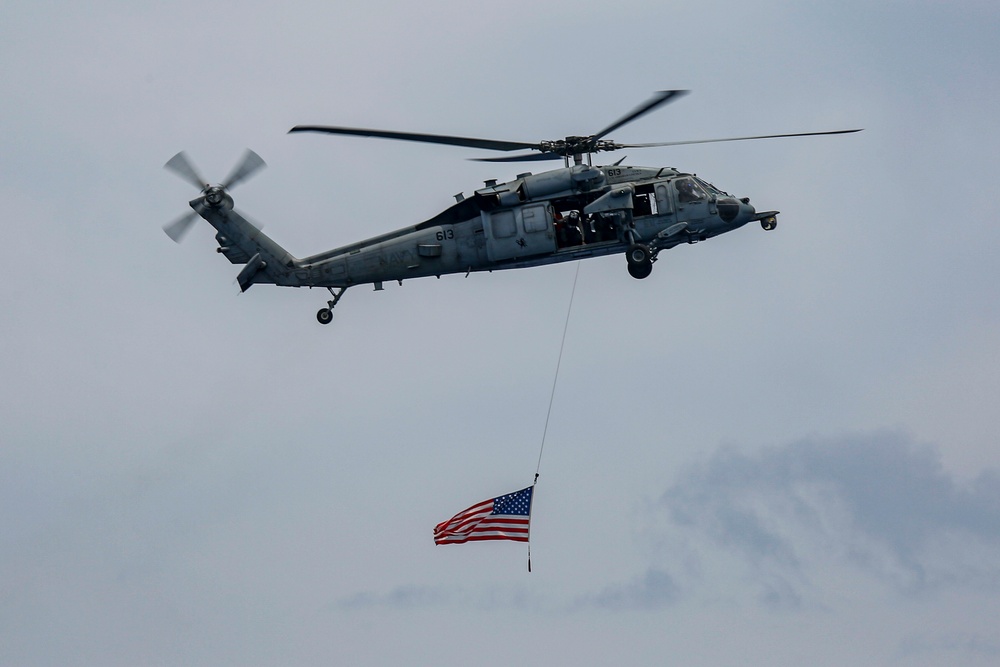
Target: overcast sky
(780, 448)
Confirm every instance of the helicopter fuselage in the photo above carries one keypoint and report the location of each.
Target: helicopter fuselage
(555, 216)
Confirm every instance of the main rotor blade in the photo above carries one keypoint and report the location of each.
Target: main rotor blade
(530, 157)
(179, 227)
(470, 142)
(661, 98)
(714, 141)
(180, 165)
(250, 163)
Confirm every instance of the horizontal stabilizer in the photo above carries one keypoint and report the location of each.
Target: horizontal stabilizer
(255, 265)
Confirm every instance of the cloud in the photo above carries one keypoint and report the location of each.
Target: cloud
(879, 503)
(949, 646)
(401, 597)
(418, 597)
(653, 590)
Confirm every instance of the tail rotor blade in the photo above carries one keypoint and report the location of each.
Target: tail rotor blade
(250, 163)
(179, 227)
(180, 165)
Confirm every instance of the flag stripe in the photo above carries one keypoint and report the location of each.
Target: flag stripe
(509, 524)
(485, 506)
(482, 538)
(461, 523)
(489, 531)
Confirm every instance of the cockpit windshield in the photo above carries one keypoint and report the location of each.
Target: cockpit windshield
(711, 188)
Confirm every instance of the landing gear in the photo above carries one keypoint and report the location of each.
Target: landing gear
(640, 261)
(769, 223)
(325, 315)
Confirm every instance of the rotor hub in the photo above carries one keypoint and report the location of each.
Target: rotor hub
(215, 195)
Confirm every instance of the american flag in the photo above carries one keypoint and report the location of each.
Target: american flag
(502, 518)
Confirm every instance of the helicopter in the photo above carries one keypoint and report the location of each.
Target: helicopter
(570, 213)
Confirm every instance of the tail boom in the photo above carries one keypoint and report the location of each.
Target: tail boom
(243, 243)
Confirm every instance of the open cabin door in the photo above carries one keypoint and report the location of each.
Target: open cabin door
(519, 232)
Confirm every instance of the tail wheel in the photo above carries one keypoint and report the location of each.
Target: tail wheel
(324, 316)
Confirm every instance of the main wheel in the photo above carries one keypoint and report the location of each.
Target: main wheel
(640, 271)
(324, 316)
(640, 261)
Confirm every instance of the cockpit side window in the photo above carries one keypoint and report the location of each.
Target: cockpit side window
(689, 191)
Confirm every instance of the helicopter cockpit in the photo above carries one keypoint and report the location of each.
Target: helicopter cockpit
(692, 192)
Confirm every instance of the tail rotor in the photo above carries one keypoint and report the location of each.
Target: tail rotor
(213, 194)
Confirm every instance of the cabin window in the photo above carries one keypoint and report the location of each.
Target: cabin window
(503, 224)
(643, 202)
(534, 219)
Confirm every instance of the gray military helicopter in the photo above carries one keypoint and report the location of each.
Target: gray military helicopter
(575, 212)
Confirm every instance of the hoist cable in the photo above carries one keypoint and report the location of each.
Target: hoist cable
(555, 380)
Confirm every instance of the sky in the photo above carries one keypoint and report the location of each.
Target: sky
(780, 448)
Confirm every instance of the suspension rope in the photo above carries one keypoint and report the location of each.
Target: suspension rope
(555, 380)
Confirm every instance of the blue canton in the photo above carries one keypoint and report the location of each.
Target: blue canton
(517, 503)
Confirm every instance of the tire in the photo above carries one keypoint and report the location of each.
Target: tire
(324, 316)
(640, 261)
(640, 271)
